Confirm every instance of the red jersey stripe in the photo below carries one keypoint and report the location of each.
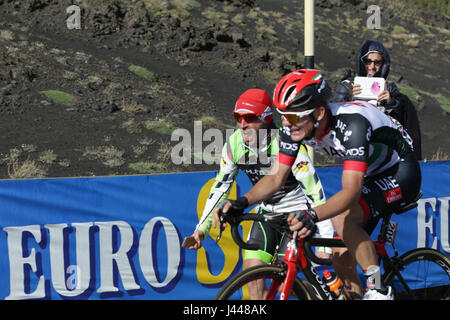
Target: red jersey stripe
(284, 159)
(355, 165)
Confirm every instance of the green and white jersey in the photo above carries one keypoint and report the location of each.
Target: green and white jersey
(301, 190)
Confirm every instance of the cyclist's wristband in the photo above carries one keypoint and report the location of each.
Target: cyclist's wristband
(312, 213)
(308, 213)
(240, 203)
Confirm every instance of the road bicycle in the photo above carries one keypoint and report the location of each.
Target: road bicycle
(412, 275)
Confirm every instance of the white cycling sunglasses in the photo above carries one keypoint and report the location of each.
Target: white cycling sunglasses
(294, 117)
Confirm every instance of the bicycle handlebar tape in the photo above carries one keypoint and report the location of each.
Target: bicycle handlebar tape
(312, 256)
(237, 238)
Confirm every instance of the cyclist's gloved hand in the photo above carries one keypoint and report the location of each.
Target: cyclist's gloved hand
(308, 218)
(237, 206)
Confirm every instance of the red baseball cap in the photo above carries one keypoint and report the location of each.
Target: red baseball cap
(255, 101)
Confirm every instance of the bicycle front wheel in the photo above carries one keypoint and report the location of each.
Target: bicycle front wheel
(234, 289)
(424, 274)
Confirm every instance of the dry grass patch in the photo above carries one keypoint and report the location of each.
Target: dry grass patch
(132, 107)
(109, 155)
(25, 170)
(147, 167)
(47, 157)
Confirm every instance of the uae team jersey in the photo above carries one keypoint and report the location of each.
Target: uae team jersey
(365, 138)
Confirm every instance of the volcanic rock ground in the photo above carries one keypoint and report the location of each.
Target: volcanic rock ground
(105, 99)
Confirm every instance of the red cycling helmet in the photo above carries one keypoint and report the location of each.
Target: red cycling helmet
(303, 88)
(255, 101)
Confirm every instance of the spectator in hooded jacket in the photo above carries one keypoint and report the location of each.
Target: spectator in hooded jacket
(373, 60)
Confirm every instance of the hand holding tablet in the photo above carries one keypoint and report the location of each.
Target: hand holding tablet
(371, 87)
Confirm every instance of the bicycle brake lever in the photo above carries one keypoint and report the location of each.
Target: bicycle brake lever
(221, 228)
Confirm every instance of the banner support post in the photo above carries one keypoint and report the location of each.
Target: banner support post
(309, 47)
(309, 34)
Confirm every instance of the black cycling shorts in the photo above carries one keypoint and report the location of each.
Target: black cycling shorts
(267, 239)
(388, 191)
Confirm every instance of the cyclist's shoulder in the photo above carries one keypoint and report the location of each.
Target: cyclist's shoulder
(346, 107)
(302, 149)
(351, 111)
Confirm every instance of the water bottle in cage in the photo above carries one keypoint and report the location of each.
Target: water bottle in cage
(335, 286)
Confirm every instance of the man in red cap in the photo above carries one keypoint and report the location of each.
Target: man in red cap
(253, 112)
(253, 149)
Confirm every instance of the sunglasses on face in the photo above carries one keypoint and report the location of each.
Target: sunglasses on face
(293, 117)
(377, 63)
(247, 117)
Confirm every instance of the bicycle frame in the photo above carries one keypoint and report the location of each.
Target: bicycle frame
(389, 263)
(300, 257)
(295, 259)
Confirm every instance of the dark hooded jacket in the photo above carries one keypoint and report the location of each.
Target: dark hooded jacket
(400, 107)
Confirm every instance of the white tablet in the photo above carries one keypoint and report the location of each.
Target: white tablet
(371, 87)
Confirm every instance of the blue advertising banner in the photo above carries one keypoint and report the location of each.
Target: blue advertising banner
(120, 237)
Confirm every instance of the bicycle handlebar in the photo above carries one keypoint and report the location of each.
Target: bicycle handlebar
(278, 219)
(234, 221)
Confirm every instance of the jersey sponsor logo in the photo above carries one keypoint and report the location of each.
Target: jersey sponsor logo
(393, 195)
(301, 166)
(369, 133)
(287, 131)
(355, 152)
(257, 172)
(341, 126)
(333, 152)
(347, 135)
(365, 190)
(387, 183)
(404, 134)
(289, 146)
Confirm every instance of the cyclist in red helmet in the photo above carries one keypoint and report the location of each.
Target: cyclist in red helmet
(380, 172)
(253, 149)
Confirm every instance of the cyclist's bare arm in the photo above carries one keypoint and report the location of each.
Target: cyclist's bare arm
(263, 189)
(346, 198)
(352, 182)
